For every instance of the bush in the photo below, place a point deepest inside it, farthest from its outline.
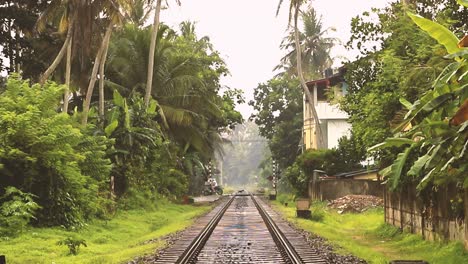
(142, 158)
(16, 209)
(48, 154)
(331, 161)
(73, 244)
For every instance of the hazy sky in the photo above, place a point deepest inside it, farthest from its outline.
(248, 34)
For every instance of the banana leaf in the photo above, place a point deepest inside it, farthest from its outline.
(440, 33)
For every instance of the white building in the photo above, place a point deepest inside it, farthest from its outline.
(333, 121)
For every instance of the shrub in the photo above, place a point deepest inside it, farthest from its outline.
(48, 154)
(16, 209)
(73, 244)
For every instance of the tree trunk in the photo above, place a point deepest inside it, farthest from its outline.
(67, 76)
(10, 45)
(310, 99)
(60, 55)
(154, 33)
(101, 81)
(93, 76)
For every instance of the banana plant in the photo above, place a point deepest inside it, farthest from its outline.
(136, 134)
(434, 147)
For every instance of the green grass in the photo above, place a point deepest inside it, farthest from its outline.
(367, 236)
(114, 241)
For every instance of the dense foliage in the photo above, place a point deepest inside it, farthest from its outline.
(397, 60)
(125, 152)
(279, 108)
(436, 135)
(44, 153)
(344, 158)
(279, 116)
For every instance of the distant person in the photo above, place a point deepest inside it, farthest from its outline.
(213, 185)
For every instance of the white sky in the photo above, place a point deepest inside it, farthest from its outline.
(248, 34)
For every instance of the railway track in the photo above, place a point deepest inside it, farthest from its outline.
(242, 229)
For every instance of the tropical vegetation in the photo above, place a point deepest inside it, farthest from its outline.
(100, 113)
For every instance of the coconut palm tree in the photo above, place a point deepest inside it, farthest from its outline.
(185, 91)
(86, 33)
(154, 33)
(138, 11)
(294, 11)
(314, 45)
(112, 11)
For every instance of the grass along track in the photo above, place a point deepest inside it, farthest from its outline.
(366, 236)
(114, 241)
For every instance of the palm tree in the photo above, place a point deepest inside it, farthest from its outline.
(154, 33)
(315, 47)
(114, 17)
(67, 23)
(294, 11)
(138, 11)
(188, 100)
(98, 61)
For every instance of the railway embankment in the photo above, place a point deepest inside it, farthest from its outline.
(130, 233)
(366, 236)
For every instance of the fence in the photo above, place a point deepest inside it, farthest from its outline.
(331, 189)
(437, 214)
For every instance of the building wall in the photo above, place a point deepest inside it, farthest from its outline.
(336, 129)
(309, 128)
(332, 122)
(335, 188)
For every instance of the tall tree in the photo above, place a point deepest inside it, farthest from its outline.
(294, 11)
(314, 44)
(97, 63)
(278, 105)
(154, 33)
(114, 18)
(25, 51)
(186, 87)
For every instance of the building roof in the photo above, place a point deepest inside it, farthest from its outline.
(330, 80)
(354, 173)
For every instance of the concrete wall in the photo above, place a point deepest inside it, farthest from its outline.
(433, 214)
(336, 188)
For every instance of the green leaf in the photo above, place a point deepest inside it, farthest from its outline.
(462, 153)
(386, 171)
(463, 127)
(152, 106)
(415, 170)
(450, 161)
(391, 142)
(397, 167)
(127, 115)
(406, 103)
(424, 181)
(436, 102)
(463, 52)
(463, 2)
(440, 33)
(111, 127)
(118, 99)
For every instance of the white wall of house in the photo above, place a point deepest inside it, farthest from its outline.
(333, 123)
(337, 128)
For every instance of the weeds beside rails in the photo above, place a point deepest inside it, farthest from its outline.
(366, 236)
(130, 233)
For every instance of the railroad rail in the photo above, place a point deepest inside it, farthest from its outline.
(196, 246)
(241, 230)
